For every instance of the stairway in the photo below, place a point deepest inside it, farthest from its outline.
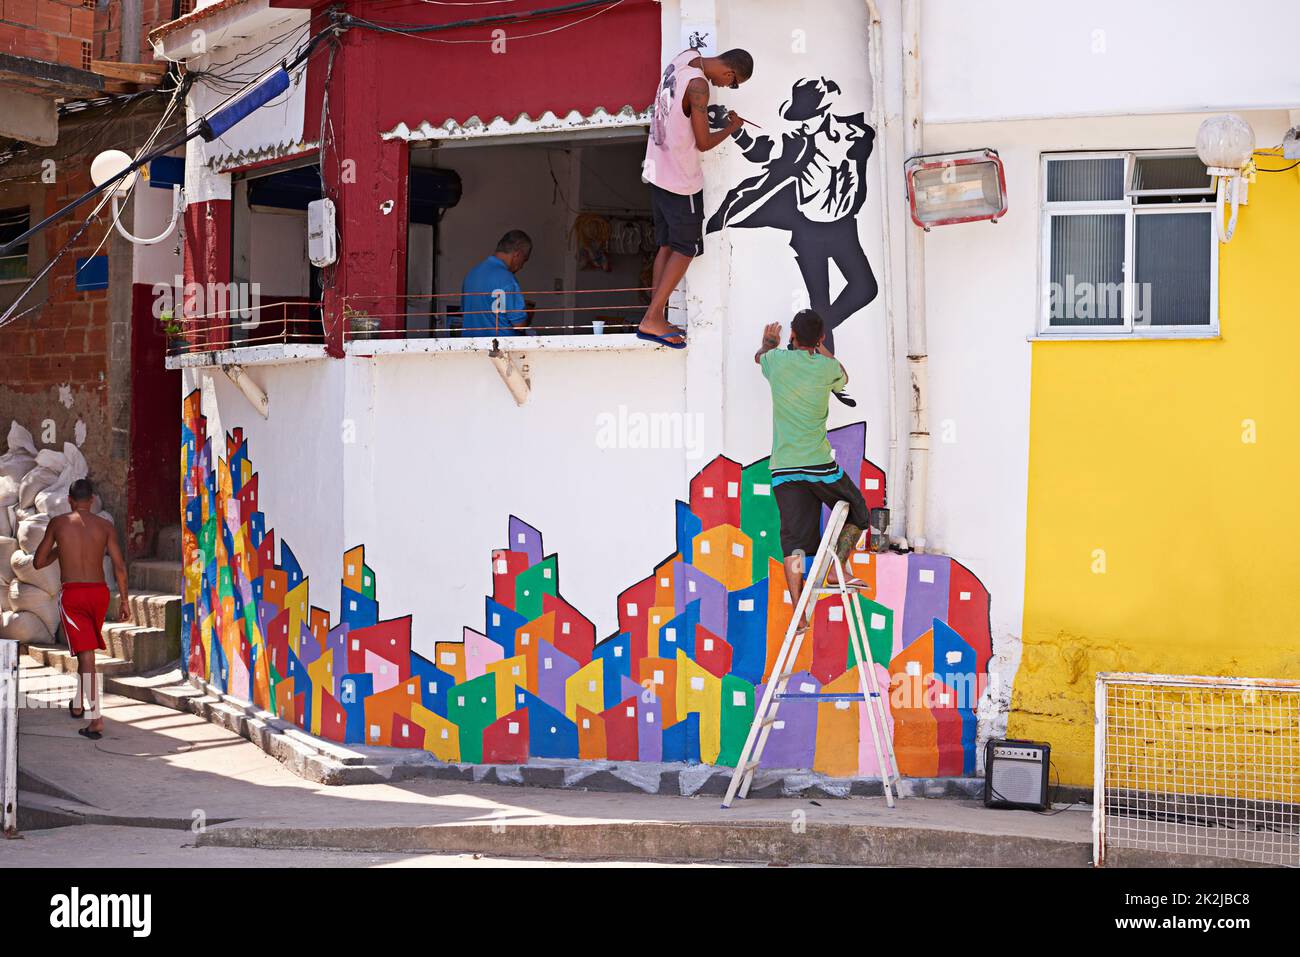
(150, 637)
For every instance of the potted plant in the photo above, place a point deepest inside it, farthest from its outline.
(174, 330)
(359, 322)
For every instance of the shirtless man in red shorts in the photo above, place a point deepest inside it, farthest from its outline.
(78, 542)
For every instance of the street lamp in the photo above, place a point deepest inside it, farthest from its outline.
(111, 163)
(1225, 144)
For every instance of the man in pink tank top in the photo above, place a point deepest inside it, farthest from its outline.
(679, 133)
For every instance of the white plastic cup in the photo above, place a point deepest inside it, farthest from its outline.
(598, 327)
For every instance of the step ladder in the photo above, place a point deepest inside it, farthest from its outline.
(765, 716)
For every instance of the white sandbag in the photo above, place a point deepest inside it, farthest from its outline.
(21, 457)
(25, 570)
(8, 490)
(31, 531)
(35, 482)
(52, 459)
(54, 499)
(6, 523)
(24, 597)
(8, 548)
(24, 626)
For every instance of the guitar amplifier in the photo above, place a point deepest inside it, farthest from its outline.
(1015, 774)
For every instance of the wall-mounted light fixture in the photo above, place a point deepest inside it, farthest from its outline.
(1225, 144)
(110, 163)
(947, 188)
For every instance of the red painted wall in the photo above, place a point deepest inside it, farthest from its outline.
(153, 476)
(207, 259)
(610, 61)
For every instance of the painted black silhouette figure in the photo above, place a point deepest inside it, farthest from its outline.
(813, 189)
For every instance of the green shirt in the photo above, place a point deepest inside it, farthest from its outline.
(801, 383)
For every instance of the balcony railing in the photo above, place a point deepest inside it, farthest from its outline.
(564, 312)
(552, 312)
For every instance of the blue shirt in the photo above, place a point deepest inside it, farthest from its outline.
(490, 300)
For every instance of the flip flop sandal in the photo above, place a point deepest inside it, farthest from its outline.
(663, 340)
(87, 733)
(76, 715)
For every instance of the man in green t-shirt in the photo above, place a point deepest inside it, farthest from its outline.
(805, 475)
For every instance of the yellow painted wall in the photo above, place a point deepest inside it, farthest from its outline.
(1136, 450)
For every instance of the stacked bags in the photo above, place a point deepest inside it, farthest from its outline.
(33, 489)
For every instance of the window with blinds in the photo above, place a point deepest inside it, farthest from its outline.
(1128, 245)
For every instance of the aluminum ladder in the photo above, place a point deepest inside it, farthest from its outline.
(765, 716)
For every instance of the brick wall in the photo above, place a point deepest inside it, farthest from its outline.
(69, 362)
(57, 31)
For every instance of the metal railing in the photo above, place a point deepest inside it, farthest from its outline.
(552, 312)
(280, 323)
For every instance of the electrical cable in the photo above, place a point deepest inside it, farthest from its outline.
(417, 31)
(10, 315)
(201, 126)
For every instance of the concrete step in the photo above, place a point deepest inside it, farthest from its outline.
(43, 687)
(151, 609)
(156, 575)
(144, 648)
(169, 543)
(58, 658)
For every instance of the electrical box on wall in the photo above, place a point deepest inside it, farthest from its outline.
(322, 244)
(947, 188)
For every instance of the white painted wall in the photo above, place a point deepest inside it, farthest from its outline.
(152, 210)
(278, 252)
(1003, 59)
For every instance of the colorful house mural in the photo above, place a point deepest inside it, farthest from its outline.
(677, 681)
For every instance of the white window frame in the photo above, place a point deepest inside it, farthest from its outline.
(1127, 207)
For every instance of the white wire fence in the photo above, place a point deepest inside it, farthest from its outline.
(1197, 765)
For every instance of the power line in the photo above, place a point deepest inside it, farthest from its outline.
(418, 31)
(226, 114)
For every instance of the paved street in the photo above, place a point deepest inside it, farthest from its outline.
(108, 846)
(196, 783)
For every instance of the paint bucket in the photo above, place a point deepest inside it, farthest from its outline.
(598, 327)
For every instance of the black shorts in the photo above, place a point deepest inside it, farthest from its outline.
(800, 504)
(679, 220)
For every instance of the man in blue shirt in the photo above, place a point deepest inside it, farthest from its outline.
(491, 302)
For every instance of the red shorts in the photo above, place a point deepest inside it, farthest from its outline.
(84, 605)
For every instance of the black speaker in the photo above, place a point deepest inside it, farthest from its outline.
(1015, 774)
